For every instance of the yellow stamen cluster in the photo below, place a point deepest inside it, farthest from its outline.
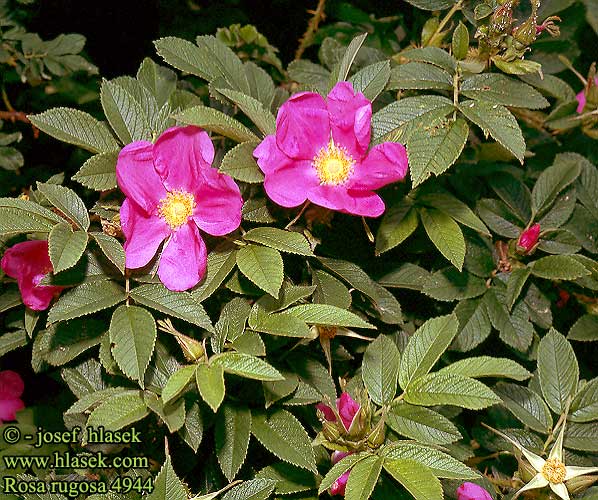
(554, 471)
(333, 164)
(176, 208)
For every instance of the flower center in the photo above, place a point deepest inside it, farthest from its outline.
(176, 208)
(554, 470)
(333, 164)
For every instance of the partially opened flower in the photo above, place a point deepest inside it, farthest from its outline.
(28, 262)
(472, 491)
(172, 191)
(340, 484)
(581, 97)
(11, 389)
(346, 408)
(320, 153)
(529, 238)
(550, 472)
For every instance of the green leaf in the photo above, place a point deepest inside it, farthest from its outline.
(254, 109)
(76, 127)
(460, 41)
(231, 323)
(112, 249)
(422, 424)
(372, 79)
(173, 415)
(329, 290)
(289, 479)
(414, 476)
(380, 369)
(65, 246)
(99, 172)
(125, 114)
(526, 405)
(450, 389)
(363, 478)
(178, 304)
(118, 411)
(497, 121)
(585, 329)
(407, 275)
(216, 121)
(232, 438)
(500, 89)
(449, 284)
(584, 407)
(432, 150)
(341, 72)
(280, 324)
(160, 81)
(498, 217)
(309, 73)
(564, 170)
(557, 370)
(23, 216)
(440, 464)
(399, 222)
(167, 485)
(12, 340)
(313, 373)
(285, 241)
(86, 298)
(397, 121)
(425, 347)
(454, 208)
(255, 489)
(327, 315)
(284, 436)
(192, 431)
(183, 55)
(210, 382)
(558, 267)
(446, 235)
(582, 437)
(487, 366)
(133, 335)
(240, 164)
(515, 329)
(431, 55)
(263, 266)
(67, 201)
(339, 468)
(432, 5)
(515, 194)
(221, 62)
(220, 264)
(246, 366)
(177, 383)
(517, 279)
(419, 75)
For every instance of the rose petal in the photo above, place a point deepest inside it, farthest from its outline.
(356, 202)
(289, 186)
(184, 259)
(581, 100)
(347, 409)
(218, 203)
(9, 409)
(327, 411)
(385, 163)
(350, 119)
(11, 385)
(143, 234)
(339, 486)
(180, 154)
(472, 491)
(337, 456)
(137, 177)
(302, 125)
(269, 156)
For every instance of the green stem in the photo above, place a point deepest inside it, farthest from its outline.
(445, 20)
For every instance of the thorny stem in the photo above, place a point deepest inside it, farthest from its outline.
(456, 91)
(317, 16)
(296, 218)
(445, 20)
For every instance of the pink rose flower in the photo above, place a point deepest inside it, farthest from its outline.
(11, 389)
(581, 97)
(320, 153)
(347, 409)
(529, 238)
(338, 487)
(172, 191)
(471, 491)
(28, 262)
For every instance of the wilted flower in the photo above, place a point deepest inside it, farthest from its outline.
(549, 26)
(11, 389)
(581, 97)
(172, 191)
(338, 487)
(28, 262)
(346, 407)
(472, 491)
(529, 238)
(320, 153)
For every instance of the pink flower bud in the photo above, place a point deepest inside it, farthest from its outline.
(581, 98)
(529, 238)
(471, 491)
(338, 487)
(11, 389)
(347, 409)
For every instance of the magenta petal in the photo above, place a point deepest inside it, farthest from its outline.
(302, 126)
(337, 456)
(327, 411)
(289, 186)
(581, 100)
(269, 156)
(349, 201)
(137, 177)
(339, 486)
(350, 119)
(471, 491)
(184, 259)
(143, 234)
(219, 203)
(9, 409)
(347, 409)
(11, 385)
(385, 163)
(180, 154)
